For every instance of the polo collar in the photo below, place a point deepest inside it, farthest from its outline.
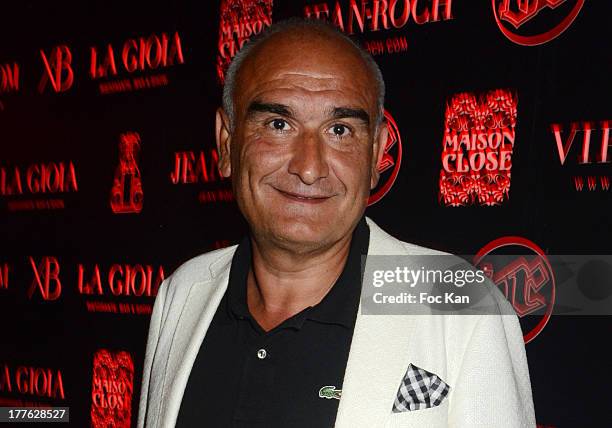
(340, 304)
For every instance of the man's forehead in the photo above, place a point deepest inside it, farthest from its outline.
(304, 93)
(331, 108)
(308, 74)
(319, 65)
(305, 83)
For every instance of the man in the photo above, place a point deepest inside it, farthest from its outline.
(269, 333)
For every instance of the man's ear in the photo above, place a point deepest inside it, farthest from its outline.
(223, 136)
(378, 150)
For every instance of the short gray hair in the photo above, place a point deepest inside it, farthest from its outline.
(291, 25)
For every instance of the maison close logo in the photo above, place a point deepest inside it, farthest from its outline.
(239, 20)
(32, 382)
(534, 22)
(477, 148)
(112, 389)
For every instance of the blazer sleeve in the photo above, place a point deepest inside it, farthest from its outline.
(493, 388)
(152, 341)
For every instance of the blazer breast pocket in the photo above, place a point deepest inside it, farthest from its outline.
(431, 417)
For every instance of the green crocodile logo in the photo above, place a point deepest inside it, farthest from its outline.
(330, 392)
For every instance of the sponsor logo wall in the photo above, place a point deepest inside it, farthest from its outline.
(499, 144)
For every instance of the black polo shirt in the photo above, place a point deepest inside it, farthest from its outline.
(244, 376)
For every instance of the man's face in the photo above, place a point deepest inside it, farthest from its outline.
(304, 150)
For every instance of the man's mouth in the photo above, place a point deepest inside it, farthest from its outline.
(304, 198)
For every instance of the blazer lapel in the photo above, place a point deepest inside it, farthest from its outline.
(379, 355)
(378, 358)
(196, 315)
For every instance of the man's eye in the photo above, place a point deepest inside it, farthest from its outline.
(339, 130)
(279, 125)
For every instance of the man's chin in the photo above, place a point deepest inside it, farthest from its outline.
(298, 235)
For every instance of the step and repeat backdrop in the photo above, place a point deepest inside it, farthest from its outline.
(499, 115)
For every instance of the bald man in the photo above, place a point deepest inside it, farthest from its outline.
(269, 333)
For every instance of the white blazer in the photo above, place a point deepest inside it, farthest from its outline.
(481, 357)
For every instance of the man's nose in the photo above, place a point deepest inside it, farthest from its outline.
(308, 159)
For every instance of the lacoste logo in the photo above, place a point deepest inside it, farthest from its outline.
(330, 392)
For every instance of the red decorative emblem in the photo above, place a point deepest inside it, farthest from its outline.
(390, 163)
(527, 280)
(126, 194)
(510, 15)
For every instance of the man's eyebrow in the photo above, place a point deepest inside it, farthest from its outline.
(260, 107)
(347, 112)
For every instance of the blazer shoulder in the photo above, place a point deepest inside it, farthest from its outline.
(383, 243)
(201, 268)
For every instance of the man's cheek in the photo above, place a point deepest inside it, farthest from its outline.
(353, 175)
(262, 157)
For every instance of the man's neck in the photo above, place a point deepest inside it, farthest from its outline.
(282, 283)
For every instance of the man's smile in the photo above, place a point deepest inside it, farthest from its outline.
(303, 197)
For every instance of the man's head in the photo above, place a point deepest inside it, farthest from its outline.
(301, 133)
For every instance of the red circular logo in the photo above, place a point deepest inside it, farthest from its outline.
(389, 164)
(527, 280)
(556, 15)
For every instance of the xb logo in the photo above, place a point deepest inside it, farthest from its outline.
(58, 69)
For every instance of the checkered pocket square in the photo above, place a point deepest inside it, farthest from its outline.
(419, 389)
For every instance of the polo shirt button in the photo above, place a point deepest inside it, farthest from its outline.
(261, 354)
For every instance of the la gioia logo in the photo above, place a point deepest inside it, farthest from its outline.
(527, 279)
(389, 164)
(534, 22)
(477, 148)
(126, 193)
(112, 388)
(239, 20)
(39, 186)
(34, 382)
(111, 66)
